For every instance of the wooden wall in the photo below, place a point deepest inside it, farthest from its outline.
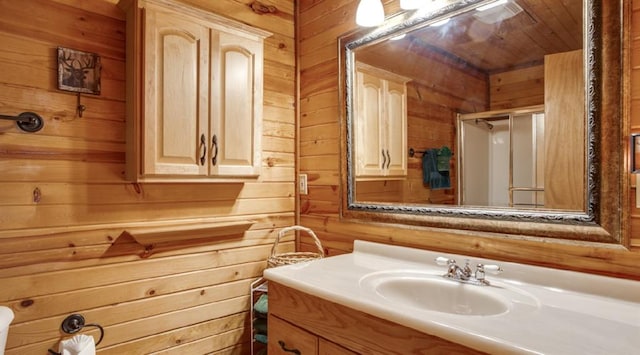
(320, 23)
(64, 203)
(517, 88)
(634, 108)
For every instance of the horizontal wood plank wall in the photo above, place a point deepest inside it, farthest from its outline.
(320, 23)
(517, 88)
(64, 203)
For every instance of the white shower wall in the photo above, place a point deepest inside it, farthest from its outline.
(499, 163)
(485, 160)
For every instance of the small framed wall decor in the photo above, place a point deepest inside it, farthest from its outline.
(635, 153)
(78, 71)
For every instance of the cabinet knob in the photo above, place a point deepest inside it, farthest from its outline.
(214, 146)
(285, 349)
(203, 148)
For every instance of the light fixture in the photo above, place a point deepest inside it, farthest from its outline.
(370, 13)
(491, 5)
(411, 4)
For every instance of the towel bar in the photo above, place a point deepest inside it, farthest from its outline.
(26, 121)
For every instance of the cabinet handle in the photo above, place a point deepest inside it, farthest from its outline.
(384, 159)
(203, 148)
(284, 348)
(214, 142)
(388, 159)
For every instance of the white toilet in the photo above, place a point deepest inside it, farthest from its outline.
(6, 316)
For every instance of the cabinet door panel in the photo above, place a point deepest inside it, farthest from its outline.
(237, 112)
(368, 126)
(177, 115)
(396, 126)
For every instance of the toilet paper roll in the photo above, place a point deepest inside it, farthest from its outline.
(78, 345)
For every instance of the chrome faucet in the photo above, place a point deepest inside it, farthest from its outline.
(465, 274)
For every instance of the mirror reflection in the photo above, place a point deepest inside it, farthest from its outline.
(483, 108)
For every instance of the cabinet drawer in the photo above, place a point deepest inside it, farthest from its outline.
(285, 338)
(326, 347)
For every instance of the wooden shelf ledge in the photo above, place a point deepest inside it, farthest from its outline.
(153, 234)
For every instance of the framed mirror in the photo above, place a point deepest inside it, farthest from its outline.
(487, 116)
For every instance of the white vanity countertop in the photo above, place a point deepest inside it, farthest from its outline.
(577, 313)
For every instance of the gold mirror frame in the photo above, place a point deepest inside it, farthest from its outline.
(602, 219)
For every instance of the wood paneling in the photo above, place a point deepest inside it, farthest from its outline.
(65, 205)
(517, 88)
(318, 44)
(634, 114)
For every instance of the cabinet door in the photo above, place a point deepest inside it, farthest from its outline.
(370, 154)
(285, 338)
(236, 105)
(396, 128)
(176, 92)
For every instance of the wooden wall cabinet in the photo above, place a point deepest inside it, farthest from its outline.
(313, 325)
(194, 94)
(380, 123)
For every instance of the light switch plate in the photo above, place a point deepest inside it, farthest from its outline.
(302, 184)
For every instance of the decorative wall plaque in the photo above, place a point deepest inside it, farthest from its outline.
(78, 71)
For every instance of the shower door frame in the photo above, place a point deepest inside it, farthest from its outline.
(487, 116)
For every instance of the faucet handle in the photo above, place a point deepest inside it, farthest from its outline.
(492, 269)
(442, 261)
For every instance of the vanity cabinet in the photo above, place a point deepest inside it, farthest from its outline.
(380, 123)
(313, 325)
(194, 94)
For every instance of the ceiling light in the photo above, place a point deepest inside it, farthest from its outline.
(411, 4)
(491, 5)
(370, 13)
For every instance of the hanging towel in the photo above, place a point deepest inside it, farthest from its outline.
(432, 161)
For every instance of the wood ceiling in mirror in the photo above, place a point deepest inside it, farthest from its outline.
(479, 43)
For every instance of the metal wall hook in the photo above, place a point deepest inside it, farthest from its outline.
(73, 324)
(26, 121)
(80, 107)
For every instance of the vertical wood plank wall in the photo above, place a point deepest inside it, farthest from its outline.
(64, 201)
(635, 111)
(320, 23)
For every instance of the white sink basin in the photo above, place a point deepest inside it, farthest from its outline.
(426, 291)
(435, 294)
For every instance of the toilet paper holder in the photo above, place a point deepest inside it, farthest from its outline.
(73, 324)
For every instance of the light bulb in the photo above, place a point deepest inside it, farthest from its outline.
(370, 13)
(411, 4)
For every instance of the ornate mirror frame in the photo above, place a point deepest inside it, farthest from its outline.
(605, 180)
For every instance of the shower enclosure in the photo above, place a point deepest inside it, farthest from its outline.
(501, 160)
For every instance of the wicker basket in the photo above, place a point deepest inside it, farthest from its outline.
(293, 257)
